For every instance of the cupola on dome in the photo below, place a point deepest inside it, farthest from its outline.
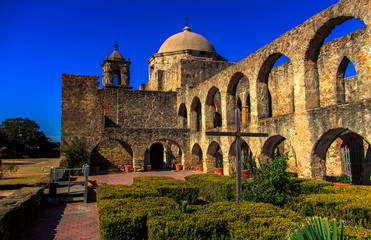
(186, 40)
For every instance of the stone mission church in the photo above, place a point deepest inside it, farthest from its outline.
(310, 111)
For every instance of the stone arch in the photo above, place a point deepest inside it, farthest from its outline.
(312, 97)
(156, 155)
(213, 109)
(341, 96)
(196, 115)
(112, 153)
(329, 156)
(182, 116)
(172, 153)
(232, 154)
(238, 87)
(196, 155)
(279, 145)
(214, 154)
(270, 103)
(104, 104)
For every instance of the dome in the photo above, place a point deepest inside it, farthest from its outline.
(116, 55)
(186, 40)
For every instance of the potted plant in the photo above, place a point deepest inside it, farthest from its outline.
(127, 168)
(149, 168)
(178, 167)
(200, 166)
(246, 165)
(219, 167)
(343, 180)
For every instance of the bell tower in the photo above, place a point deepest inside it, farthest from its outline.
(116, 72)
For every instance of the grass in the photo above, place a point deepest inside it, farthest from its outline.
(29, 172)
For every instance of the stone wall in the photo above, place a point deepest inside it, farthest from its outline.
(304, 91)
(139, 109)
(18, 211)
(304, 105)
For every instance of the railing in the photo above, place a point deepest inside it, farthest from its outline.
(62, 177)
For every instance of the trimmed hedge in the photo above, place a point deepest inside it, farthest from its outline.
(353, 208)
(226, 220)
(156, 181)
(213, 187)
(308, 186)
(151, 187)
(124, 191)
(127, 218)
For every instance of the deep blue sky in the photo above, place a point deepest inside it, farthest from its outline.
(40, 40)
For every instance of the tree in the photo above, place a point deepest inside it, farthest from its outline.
(271, 182)
(22, 136)
(74, 153)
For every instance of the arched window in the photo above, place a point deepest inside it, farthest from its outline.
(268, 107)
(311, 57)
(182, 115)
(213, 108)
(196, 115)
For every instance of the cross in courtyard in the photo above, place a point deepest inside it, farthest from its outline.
(238, 134)
(186, 18)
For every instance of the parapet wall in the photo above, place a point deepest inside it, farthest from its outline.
(18, 211)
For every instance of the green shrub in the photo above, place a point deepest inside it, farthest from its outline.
(343, 178)
(308, 186)
(127, 218)
(271, 183)
(188, 226)
(169, 187)
(249, 220)
(123, 226)
(155, 181)
(124, 191)
(179, 193)
(213, 187)
(357, 232)
(352, 207)
(355, 189)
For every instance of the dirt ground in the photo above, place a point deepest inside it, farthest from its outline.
(29, 173)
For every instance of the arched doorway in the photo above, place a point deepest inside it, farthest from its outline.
(214, 156)
(245, 149)
(353, 157)
(341, 151)
(157, 156)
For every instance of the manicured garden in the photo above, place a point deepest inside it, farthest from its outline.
(204, 207)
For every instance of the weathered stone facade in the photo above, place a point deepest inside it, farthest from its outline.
(308, 109)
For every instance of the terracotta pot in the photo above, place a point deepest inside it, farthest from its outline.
(178, 167)
(246, 173)
(200, 168)
(149, 168)
(96, 170)
(342, 184)
(219, 171)
(127, 169)
(92, 184)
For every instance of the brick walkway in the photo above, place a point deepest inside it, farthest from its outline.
(80, 220)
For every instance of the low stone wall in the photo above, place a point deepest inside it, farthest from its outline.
(18, 210)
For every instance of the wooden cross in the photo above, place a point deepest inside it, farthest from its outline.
(238, 135)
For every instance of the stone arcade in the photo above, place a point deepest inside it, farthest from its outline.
(308, 109)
